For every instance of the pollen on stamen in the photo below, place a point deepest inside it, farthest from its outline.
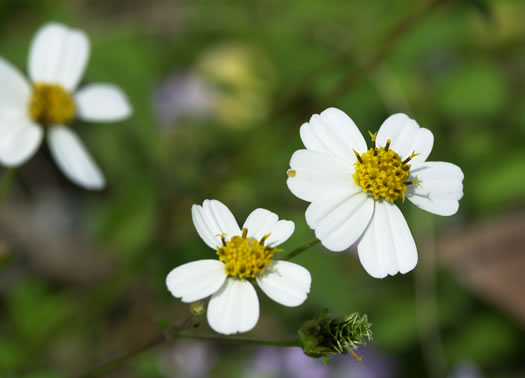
(358, 156)
(373, 137)
(355, 355)
(412, 155)
(245, 257)
(291, 173)
(381, 172)
(51, 104)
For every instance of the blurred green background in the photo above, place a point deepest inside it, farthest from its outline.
(219, 91)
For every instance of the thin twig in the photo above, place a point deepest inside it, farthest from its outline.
(301, 249)
(175, 334)
(283, 111)
(240, 340)
(386, 45)
(121, 361)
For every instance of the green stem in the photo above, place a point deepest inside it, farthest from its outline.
(121, 361)
(174, 333)
(5, 183)
(301, 249)
(240, 340)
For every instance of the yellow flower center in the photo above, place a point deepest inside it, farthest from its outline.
(382, 173)
(244, 257)
(51, 104)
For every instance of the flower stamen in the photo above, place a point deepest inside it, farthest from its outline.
(381, 172)
(51, 104)
(245, 257)
(355, 355)
(412, 155)
(358, 156)
(373, 137)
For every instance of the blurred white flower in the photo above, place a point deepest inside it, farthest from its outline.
(352, 189)
(57, 59)
(244, 255)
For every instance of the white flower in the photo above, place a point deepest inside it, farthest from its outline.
(352, 189)
(244, 256)
(57, 59)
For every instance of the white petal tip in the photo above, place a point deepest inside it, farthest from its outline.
(287, 283)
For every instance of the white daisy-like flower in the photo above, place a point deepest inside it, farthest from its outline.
(50, 102)
(244, 257)
(352, 188)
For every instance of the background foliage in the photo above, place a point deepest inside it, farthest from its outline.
(219, 90)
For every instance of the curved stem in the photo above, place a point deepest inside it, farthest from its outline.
(301, 249)
(120, 361)
(174, 333)
(5, 183)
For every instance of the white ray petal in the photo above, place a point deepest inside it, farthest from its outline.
(387, 246)
(260, 222)
(19, 139)
(280, 232)
(440, 187)
(340, 218)
(102, 102)
(212, 220)
(406, 137)
(73, 158)
(196, 280)
(58, 54)
(234, 308)
(333, 132)
(317, 173)
(286, 283)
(14, 91)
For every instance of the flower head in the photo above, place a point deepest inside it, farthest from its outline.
(51, 102)
(244, 257)
(353, 189)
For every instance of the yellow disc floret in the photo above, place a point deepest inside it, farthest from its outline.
(51, 104)
(244, 257)
(382, 173)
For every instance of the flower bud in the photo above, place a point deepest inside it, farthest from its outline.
(327, 334)
(197, 311)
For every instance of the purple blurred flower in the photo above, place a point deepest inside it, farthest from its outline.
(267, 363)
(373, 365)
(466, 369)
(182, 95)
(298, 365)
(188, 359)
(293, 363)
